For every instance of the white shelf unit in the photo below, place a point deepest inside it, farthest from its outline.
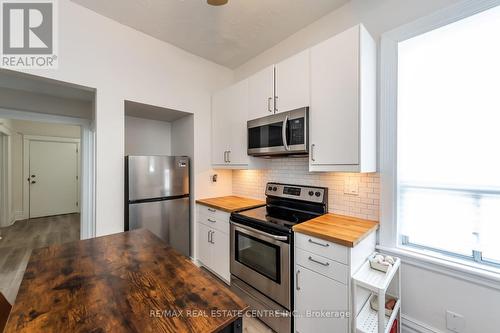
(377, 283)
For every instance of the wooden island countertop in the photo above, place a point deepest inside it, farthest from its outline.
(127, 282)
(231, 203)
(340, 229)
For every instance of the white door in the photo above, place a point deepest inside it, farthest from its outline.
(292, 82)
(203, 245)
(334, 115)
(261, 93)
(220, 254)
(315, 292)
(53, 176)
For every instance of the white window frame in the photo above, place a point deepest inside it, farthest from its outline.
(390, 239)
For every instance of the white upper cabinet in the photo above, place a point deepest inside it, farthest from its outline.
(343, 103)
(229, 116)
(292, 82)
(261, 94)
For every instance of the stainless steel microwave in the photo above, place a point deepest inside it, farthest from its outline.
(284, 133)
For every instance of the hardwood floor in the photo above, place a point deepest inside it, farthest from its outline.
(20, 238)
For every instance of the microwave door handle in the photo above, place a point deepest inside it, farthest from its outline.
(283, 132)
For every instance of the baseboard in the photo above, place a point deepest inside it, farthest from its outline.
(410, 325)
(19, 215)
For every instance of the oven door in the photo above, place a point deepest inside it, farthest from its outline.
(279, 134)
(262, 260)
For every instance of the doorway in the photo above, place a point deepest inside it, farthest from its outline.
(52, 147)
(52, 182)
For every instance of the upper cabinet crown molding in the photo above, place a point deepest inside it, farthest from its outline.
(343, 103)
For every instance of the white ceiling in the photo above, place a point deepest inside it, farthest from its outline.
(229, 35)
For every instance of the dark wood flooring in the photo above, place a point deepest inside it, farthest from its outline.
(23, 236)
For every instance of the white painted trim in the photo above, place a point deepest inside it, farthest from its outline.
(388, 104)
(472, 273)
(19, 215)
(26, 166)
(410, 325)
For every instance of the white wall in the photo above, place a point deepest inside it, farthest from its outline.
(427, 294)
(29, 101)
(124, 64)
(147, 137)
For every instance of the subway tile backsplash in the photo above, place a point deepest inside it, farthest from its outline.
(364, 204)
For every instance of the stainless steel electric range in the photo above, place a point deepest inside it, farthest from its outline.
(262, 249)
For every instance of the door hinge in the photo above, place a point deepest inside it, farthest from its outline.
(77, 150)
(77, 204)
(76, 177)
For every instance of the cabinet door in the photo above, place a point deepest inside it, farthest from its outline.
(220, 254)
(292, 82)
(237, 122)
(315, 292)
(221, 112)
(334, 115)
(203, 245)
(261, 93)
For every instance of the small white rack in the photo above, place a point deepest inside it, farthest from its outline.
(377, 283)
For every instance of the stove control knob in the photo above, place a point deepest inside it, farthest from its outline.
(275, 189)
(311, 193)
(317, 194)
(270, 188)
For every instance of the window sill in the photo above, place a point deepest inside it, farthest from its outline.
(460, 269)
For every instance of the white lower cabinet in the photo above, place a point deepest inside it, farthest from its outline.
(212, 244)
(322, 283)
(317, 312)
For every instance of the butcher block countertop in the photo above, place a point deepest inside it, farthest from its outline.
(340, 229)
(126, 282)
(231, 203)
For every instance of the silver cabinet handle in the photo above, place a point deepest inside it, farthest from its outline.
(228, 156)
(297, 280)
(276, 103)
(211, 210)
(283, 133)
(209, 231)
(317, 243)
(269, 104)
(319, 262)
(210, 220)
(312, 152)
(212, 237)
(225, 156)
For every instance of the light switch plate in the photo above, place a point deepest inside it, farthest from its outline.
(455, 322)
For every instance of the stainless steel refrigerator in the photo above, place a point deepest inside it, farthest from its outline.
(157, 198)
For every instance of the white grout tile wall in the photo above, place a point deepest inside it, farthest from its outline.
(364, 204)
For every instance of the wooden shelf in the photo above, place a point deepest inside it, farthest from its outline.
(367, 320)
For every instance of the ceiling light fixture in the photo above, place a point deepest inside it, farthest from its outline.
(217, 2)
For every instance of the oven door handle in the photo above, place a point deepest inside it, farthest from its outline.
(283, 132)
(275, 237)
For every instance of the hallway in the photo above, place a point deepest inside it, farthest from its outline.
(18, 240)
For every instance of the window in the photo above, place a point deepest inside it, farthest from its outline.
(448, 139)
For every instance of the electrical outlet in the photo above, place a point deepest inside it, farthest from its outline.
(213, 178)
(455, 322)
(351, 187)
